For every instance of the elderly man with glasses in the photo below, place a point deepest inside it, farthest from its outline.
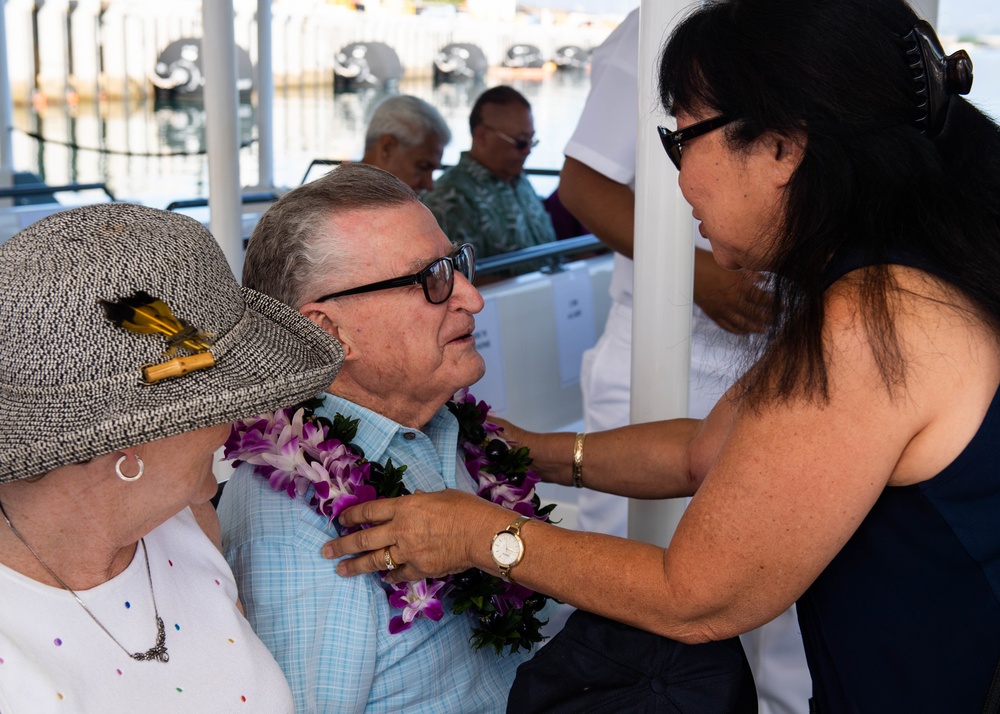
(406, 137)
(485, 199)
(359, 255)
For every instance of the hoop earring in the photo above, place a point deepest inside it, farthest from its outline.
(123, 477)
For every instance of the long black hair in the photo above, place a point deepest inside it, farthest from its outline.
(872, 184)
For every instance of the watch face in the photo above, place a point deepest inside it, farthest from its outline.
(506, 548)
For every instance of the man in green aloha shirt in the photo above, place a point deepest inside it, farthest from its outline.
(485, 200)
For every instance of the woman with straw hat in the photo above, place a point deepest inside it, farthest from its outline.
(128, 348)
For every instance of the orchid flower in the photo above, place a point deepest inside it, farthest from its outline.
(507, 494)
(415, 599)
(292, 451)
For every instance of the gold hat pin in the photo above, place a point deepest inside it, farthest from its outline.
(147, 315)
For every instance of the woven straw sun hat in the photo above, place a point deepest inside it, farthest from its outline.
(73, 385)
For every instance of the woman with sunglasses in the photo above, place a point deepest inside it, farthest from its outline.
(853, 467)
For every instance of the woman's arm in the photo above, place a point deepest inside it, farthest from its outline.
(604, 206)
(641, 461)
(785, 486)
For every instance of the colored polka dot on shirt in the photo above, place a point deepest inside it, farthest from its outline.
(171, 562)
(177, 626)
(57, 642)
(243, 698)
(128, 605)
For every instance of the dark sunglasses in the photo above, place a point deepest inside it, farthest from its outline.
(519, 144)
(437, 279)
(672, 140)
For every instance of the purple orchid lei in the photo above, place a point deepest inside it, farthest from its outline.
(295, 449)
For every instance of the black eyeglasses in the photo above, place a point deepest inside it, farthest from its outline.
(672, 140)
(437, 279)
(519, 144)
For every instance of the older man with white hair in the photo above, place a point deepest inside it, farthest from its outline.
(406, 137)
(359, 255)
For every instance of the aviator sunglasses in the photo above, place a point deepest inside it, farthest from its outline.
(437, 279)
(519, 144)
(672, 140)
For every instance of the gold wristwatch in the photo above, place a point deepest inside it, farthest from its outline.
(508, 548)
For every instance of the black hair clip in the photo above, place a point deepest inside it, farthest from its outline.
(937, 77)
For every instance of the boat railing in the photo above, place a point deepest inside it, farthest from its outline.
(43, 189)
(552, 256)
(548, 257)
(202, 202)
(336, 162)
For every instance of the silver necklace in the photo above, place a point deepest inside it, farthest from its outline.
(157, 651)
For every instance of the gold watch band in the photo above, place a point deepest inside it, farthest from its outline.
(514, 528)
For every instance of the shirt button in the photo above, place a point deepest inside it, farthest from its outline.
(409, 436)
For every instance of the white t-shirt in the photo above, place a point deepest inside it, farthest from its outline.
(601, 140)
(606, 142)
(54, 657)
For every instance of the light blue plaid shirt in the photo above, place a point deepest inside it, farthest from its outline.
(331, 634)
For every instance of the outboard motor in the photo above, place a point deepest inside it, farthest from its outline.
(524, 56)
(571, 57)
(179, 75)
(366, 65)
(459, 61)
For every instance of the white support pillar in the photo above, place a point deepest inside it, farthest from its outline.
(664, 266)
(265, 97)
(6, 109)
(927, 9)
(664, 273)
(221, 129)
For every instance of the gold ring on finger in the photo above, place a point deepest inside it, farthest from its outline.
(389, 563)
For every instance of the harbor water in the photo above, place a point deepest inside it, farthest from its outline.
(154, 152)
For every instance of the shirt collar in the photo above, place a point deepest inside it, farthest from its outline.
(376, 432)
(480, 173)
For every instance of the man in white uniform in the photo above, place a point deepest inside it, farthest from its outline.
(596, 184)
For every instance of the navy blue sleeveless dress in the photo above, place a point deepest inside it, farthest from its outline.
(906, 618)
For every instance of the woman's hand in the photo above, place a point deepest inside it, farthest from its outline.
(551, 454)
(734, 300)
(511, 432)
(428, 535)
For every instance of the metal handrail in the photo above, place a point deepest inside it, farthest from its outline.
(318, 162)
(42, 189)
(337, 162)
(554, 254)
(267, 197)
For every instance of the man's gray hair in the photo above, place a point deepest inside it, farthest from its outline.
(295, 247)
(408, 119)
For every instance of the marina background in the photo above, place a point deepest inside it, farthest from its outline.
(101, 123)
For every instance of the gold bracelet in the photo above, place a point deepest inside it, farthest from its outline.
(578, 460)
